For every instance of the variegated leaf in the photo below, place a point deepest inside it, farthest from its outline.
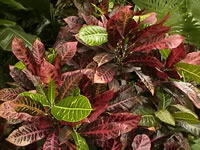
(38, 52)
(141, 142)
(52, 142)
(103, 58)
(8, 94)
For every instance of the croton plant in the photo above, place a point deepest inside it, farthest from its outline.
(117, 81)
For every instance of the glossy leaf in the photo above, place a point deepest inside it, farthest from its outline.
(8, 94)
(26, 135)
(192, 58)
(176, 55)
(93, 35)
(51, 92)
(187, 117)
(113, 144)
(189, 90)
(38, 52)
(165, 116)
(51, 142)
(72, 109)
(80, 142)
(141, 142)
(103, 58)
(20, 65)
(192, 128)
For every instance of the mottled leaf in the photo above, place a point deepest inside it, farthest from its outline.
(38, 52)
(141, 142)
(103, 58)
(113, 144)
(52, 142)
(192, 128)
(8, 94)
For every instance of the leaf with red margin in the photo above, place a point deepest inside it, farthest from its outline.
(189, 90)
(38, 52)
(113, 144)
(176, 55)
(110, 126)
(8, 94)
(141, 142)
(159, 42)
(105, 73)
(103, 58)
(145, 60)
(52, 142)
(20, 78)
(48, 72)
(26, 135)
(23, 54)
(66, 51)
(192, 58)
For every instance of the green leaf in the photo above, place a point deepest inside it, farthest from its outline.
(20, 65)
(79, 141)
(189, 71)
(51, 92)
(7, 23)
(7, 35)
(165, 99)
(192, 128)
(187, 117)
(165, 116)
(93, 35)
(36, 97)
(72, 109)
(185, 109)
(75, 92)
(13, 3)
(164, 53)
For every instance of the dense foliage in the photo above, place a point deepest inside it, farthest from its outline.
(117, 78)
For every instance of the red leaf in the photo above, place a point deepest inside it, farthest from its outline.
(74, 23)
(159, 42)
(52, 142)
(189, 90)
(192, 58)
(141, 142)
(48, 72)
(38, 52)
(23, 54)
(103, 58)
(113, 144)
(8, 94)
(173, 74)
(104, 74)
(176, 55)
(66, 51)
(91, 20)
(150, 19)
(111, 126)
(145, 60)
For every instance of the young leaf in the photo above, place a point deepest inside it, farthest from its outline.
(52, 142)
(8, 94)
(113, 144)
(36, 97)
(72, 109)
(187, 117)
(192, 128)
(141, 142)
(192, 58)
(93, 35)
(103, 58)
(38, 52)
(165, 116)
(81, 144)
(51, 92)
(20, 65)
(26, 135)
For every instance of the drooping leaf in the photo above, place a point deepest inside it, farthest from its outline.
(192, 128)
(187, 117)
(113, 144)
(189, 90)
(165, 116)
(80, 142)
(36, 97)
(176, 55)
(110, 126)
(51, 92)
(141, 142)
(103, 58)
(72, 109)
(26, 135)
(38, 51)
(192, 58)
(160, 43)
(145, 60)
(93, 35)
(104, 74)
(189, 71)
(8, 94)
(51, 142)
(23, 54)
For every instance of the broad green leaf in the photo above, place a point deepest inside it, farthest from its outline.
(72, 109)
(13, 3)
(164, 53)
(192, 128)
(165, 99)
(51, 92)
(187, 117)
(7, 35)
(7, 23)
(20, 65)
(80, 142)
(165, 116)
(93, 35)
(36, 97)
(189, 71)
(185, 109)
